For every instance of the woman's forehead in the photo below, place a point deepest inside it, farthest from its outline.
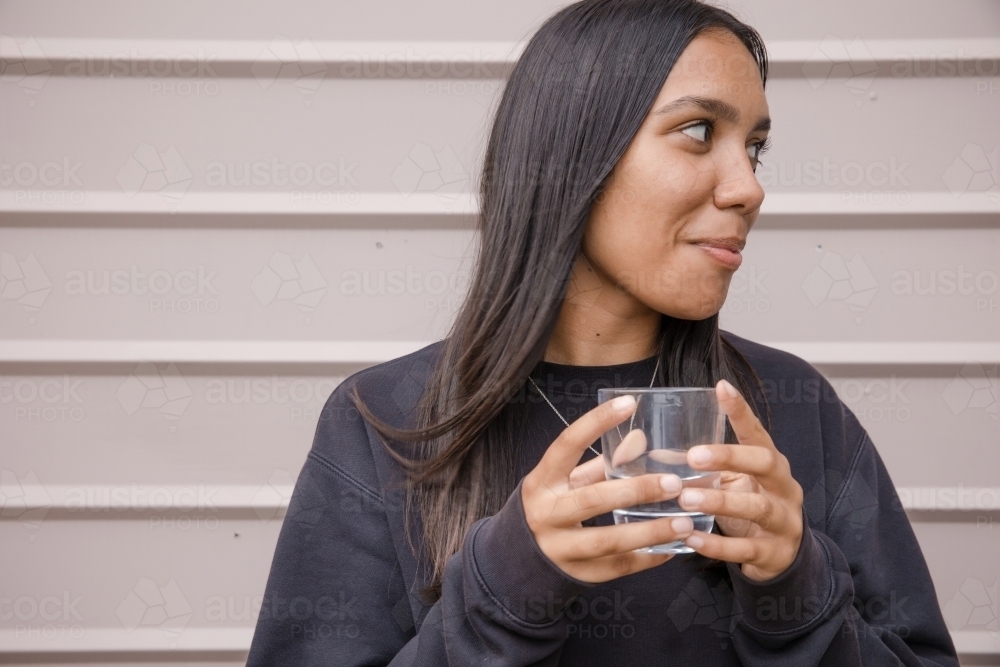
(716, 65)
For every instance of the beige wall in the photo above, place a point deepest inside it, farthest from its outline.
(150, 432)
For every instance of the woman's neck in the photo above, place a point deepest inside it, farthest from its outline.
(600, 324)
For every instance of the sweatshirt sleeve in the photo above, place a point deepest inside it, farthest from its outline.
(858, 592)
(502, 600)
(336, 593)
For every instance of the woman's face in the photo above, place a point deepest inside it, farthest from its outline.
(667, 230)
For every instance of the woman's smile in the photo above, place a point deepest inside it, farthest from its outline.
(725, 251)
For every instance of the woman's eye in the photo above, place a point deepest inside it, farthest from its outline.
(754, 151)
(699, 131)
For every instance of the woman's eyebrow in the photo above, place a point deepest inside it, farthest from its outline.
(717, 108)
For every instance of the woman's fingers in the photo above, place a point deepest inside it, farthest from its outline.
(565, 451)
(755, 454)
(632, 446)
(766, 558)
(559, 494)
(599, 541)
(767, 465)
(759, 508)
(590, 472)
(731, 549)
(746, 426)
(607, 568)
(592, 500)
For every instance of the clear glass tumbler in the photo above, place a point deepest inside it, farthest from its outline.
(668, 421)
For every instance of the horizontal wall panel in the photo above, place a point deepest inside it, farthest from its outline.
(372, 210)
(232, 352)
(932, 427)
(270, 500)
(874, 286)
(403, 285)
(432, 134)
(963, 565)
(161, 425)
(831, 354)
(130, 502)
(304, 284)
(209, 606)
(400, 20)
(189, 139)
(166, 594)
(139, 640)
(144, 423)
(282, 57)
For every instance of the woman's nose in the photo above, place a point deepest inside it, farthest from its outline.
(737, 185)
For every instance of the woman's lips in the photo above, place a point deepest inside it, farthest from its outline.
(730, 258)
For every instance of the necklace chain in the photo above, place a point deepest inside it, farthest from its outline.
(563, 419)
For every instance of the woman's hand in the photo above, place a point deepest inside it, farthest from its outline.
(759, 504)
(559, 495)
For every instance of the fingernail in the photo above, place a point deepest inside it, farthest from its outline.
(730, 389)
(682, 525)
(670, 483)
(700, 455)
(623, 403)
(694, 541)
(692, 497)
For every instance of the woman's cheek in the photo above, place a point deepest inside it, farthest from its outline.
(684, 182)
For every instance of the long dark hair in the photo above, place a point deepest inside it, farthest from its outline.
(570, 108)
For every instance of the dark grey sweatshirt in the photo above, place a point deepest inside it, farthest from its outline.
(344, 586)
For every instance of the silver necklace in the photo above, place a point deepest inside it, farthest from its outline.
(563, 419)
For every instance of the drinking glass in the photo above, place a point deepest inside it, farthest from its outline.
(667, 422)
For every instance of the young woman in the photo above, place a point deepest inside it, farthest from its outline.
(453, 511)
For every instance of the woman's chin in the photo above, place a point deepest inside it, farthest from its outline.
(693, 310)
